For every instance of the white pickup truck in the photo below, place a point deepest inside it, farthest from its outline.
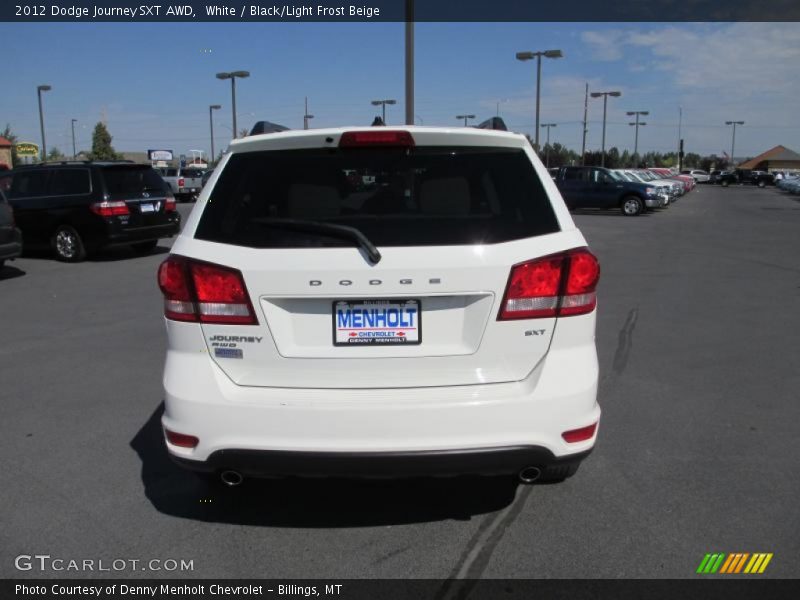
(185, 182)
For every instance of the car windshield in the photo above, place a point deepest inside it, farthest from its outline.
(423, 196)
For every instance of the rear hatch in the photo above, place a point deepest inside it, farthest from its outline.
(143, 191)
(448, 221)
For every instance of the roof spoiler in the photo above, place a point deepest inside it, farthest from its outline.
(266, 127)
(493, 123)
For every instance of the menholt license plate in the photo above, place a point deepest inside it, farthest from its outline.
(377, 322)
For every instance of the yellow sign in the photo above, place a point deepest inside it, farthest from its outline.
(27, 149)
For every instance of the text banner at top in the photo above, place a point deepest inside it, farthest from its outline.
(397, 10)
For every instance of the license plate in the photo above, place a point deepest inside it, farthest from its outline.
(147, 207)
(363, 322)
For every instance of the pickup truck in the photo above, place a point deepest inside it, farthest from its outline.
(745, 176)
(597, 187)
(184, 182)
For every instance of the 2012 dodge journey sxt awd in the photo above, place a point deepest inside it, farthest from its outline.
(380, 303)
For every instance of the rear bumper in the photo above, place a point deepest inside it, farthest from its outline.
(376, 465)
(131, 235)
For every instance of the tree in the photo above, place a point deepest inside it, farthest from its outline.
(11, 137)
(55, 154)
(101, 144)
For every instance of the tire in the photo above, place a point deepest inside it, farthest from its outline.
(761, 184)
(67, 244)
(144, 247)
(725, 183)
(632, 206)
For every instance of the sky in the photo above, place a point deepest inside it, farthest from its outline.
(153, 82)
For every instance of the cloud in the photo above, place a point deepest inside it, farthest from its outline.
(604, 45)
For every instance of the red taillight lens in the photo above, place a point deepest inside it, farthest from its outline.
(378, 137)
(181, 439)
(198, 291)
(559, 285)
(181, 182)
(170, 205)
(579, 435)
(221, 295)
(109, 209)
(173, 279)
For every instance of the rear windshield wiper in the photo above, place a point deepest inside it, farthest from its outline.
(341, 231)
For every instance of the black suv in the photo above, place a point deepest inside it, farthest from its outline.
(76, 207)
(745, 176)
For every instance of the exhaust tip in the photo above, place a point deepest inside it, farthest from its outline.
(529, 474)
(231, 478)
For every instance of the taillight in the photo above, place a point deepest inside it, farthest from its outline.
(376, 137)
(181, 439)
(553, 286)
(170, 205)
(181, 182)
(579, 435)
(199, 291)
(109, 209)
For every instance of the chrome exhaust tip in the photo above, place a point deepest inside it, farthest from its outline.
(529, 474)
(231, 478)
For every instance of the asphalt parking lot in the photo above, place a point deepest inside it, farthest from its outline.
(698, 341)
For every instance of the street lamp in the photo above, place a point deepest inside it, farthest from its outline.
(465, 117)
(383, 103)
(605, 96)
(211, 110)
(637, 124)
(547, 143)
(74, 154)
(306, 116)
(232, 76)
(39, 90)
(733, 140)
(538, 56)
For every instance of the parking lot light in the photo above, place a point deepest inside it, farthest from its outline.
(232, 76)
(605, 95)
(39, 90)
(211, 110)
(465, 117)
(523, 56)
(382, 104)
(637, 124)
(733, 139)
(547, 143)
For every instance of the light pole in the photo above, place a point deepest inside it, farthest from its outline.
(733, 140)
(39, 90)
(382, 104)
(74, 154)
(605, 96)
(637, 124)
(547, 143)
(409, 63)
(211, 110)
(465, 117)
(232, 76)
(306, 116)
(538, 56)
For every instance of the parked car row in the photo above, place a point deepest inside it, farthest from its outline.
(633, 191)
(745, 177)
(78, 207)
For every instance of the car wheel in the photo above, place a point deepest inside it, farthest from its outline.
(67, 244)
(632, 206)
(144, 247)
(724, 184)
(761, 184)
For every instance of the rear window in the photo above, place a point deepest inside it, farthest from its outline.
(425, 196)
(126, 181)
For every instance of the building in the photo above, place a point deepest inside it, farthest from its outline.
(5, 153)
(779, 158)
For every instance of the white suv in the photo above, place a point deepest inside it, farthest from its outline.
(381, 303)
